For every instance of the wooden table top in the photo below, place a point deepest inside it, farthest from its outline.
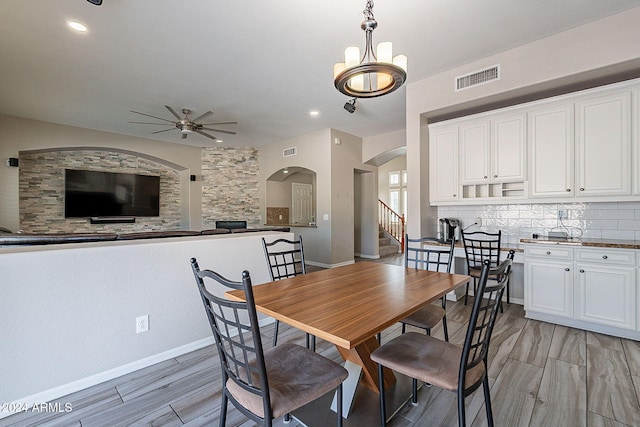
(347, 305)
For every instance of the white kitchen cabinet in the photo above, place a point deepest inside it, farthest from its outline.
(606, 286)
(605, 294)
(475, 151)
(589, 288)
(443, 163)
(551, 159)
(508, 147)
(493, 149)
(603, 145)
(549, 287)
(548, 281)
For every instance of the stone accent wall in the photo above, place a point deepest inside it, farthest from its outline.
(41, 189)
(230, 186)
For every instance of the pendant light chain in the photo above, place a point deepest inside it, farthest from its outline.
(368, 10)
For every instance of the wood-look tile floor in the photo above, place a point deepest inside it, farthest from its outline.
(540, 375)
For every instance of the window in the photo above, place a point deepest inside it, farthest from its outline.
(394, 200)
(398, 191)
(394, 178)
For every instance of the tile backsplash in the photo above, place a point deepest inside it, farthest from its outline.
(614, 220)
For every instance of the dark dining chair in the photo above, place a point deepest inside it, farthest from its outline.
(285, 259)
(478, 247)
(262, 384)
(440, 259)
(445, 365)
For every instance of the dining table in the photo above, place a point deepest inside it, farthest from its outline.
(349, 305)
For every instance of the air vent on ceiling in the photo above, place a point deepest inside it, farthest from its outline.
(287, 152)
(478, 77)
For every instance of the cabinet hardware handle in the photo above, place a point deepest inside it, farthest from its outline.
(567, 269)
(582, 189)
(495, 176)
(454, 195)
(581, 271)
(568, 190)
(548, 252)
(604, 257)
(485, 177)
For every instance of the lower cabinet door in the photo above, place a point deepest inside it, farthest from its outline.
(606, 295)
(549, 287)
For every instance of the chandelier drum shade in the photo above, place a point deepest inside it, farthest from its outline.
(374, 73)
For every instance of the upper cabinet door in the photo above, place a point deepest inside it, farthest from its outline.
(508, 147)
(443, 164)
(475, 152)
(551, 151)
(603, 145)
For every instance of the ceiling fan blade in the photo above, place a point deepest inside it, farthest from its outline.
(184, 136)
(173, 112)
(166, 130)
(221, 131)
(149, 115)
(205, 134)
(219, 123)
(147, 123)
(202, 115)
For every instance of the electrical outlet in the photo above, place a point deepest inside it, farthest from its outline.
(563, 214)
(142, 323)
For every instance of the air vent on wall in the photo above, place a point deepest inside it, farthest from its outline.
(287, 152)
(478, 77)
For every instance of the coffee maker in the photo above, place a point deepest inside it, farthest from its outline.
(447, 228)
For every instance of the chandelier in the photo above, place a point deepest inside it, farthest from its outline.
(370, 75)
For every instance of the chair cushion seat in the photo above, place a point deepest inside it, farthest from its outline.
(426, 318)
(296, 377)
(427, 359)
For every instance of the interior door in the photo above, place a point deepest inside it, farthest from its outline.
(302, 203)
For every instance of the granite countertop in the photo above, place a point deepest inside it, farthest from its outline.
(595, 243)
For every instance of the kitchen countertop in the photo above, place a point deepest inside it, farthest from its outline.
(596, 243)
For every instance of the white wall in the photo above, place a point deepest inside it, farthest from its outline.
(346, 161)
(68, 311)
(22, 134)
(594, 50)
(331, 243)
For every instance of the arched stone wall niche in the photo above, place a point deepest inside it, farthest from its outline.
(287, 203)
(41, 189)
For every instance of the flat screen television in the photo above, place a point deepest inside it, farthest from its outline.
(108, 194)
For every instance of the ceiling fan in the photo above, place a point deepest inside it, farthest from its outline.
(187, 125)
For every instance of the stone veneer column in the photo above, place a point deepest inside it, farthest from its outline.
(230, 185)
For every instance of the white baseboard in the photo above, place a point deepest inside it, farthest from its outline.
(368, 256)
(72, 387)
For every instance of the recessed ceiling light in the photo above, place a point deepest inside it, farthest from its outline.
(314, 113)
(219, 141)
(77, 26)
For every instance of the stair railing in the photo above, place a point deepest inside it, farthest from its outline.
(392, 222)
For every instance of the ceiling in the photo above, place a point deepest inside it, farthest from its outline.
(263, 64)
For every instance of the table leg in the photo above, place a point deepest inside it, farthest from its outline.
(349, 388)
(361, 355)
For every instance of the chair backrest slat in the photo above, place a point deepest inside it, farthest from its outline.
(236, 331)
(483, 316)
(480, 246)
(419, 257)
(285, 258)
